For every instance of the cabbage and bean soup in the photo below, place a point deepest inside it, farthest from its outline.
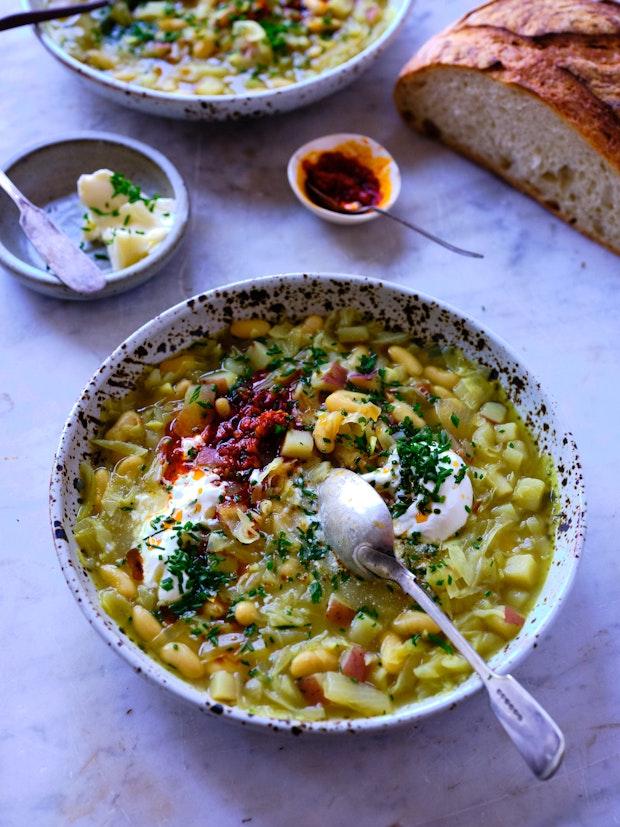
(206, 47)
(199, 518)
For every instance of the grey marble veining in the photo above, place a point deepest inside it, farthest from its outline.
(83, 740)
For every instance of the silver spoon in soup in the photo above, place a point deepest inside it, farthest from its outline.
(358, 526)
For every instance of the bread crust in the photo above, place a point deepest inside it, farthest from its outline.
(564, 52)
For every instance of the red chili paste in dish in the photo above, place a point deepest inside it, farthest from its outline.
(342, 178)
(249, 437)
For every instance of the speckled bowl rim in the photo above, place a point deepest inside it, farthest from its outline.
(213, 100)
(149, 667)
(115, 278)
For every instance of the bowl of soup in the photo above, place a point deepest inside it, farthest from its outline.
(185, 515)
(222, 61)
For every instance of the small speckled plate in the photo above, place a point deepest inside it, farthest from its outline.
(297, 295)
(47, 174)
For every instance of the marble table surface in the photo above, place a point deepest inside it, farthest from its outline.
(83, 740)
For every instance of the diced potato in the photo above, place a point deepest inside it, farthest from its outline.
(484, 436)
(517, 597)
(521, 570)
(494, 411)
(506, 432)
(535, 526)
(297, 444)
(221, 380)
(514, 454)
(258, 356)
(500, 484)
(528, 493)
(364, 629)
(505, 513)
(338, 612)
(223, 686)
(473, 391)
(362, 697)
(453, 415)
(496, 621)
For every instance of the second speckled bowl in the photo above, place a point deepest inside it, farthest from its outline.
(297, 295)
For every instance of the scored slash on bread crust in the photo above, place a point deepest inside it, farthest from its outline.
(530, 90)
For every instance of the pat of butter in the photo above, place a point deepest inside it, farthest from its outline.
(129, 229)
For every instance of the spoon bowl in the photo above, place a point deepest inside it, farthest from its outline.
(353, 513)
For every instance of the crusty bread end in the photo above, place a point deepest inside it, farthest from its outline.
(497, 88)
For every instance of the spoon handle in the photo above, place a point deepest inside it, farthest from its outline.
(534, 733)
(428, 235)
(25, 18)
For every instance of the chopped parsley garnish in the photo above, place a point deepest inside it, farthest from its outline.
(283, 545)
(439, 641)
(311, 548)
(316, 591)
(425, 465)
(123, 186)
(313, 362)
(197, 572)
(368, 363)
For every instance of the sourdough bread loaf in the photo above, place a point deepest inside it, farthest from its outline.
(531, 90)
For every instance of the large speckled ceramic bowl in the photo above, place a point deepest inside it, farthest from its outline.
(228, 107)
(297, 295)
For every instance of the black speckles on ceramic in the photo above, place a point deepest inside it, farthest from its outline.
(302, 294)
(229, 107)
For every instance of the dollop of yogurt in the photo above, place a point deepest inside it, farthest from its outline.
(194, 498)
(439, 520)
(386, 478)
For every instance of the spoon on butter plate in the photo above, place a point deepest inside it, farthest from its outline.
(66, 261)
(358, 526)
(351, 209)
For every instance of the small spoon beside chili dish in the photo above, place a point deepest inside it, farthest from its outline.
(349, 179)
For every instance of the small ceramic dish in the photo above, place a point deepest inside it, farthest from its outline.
(364, 149)
(298, 295)
(235, 106)
(47, 174)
